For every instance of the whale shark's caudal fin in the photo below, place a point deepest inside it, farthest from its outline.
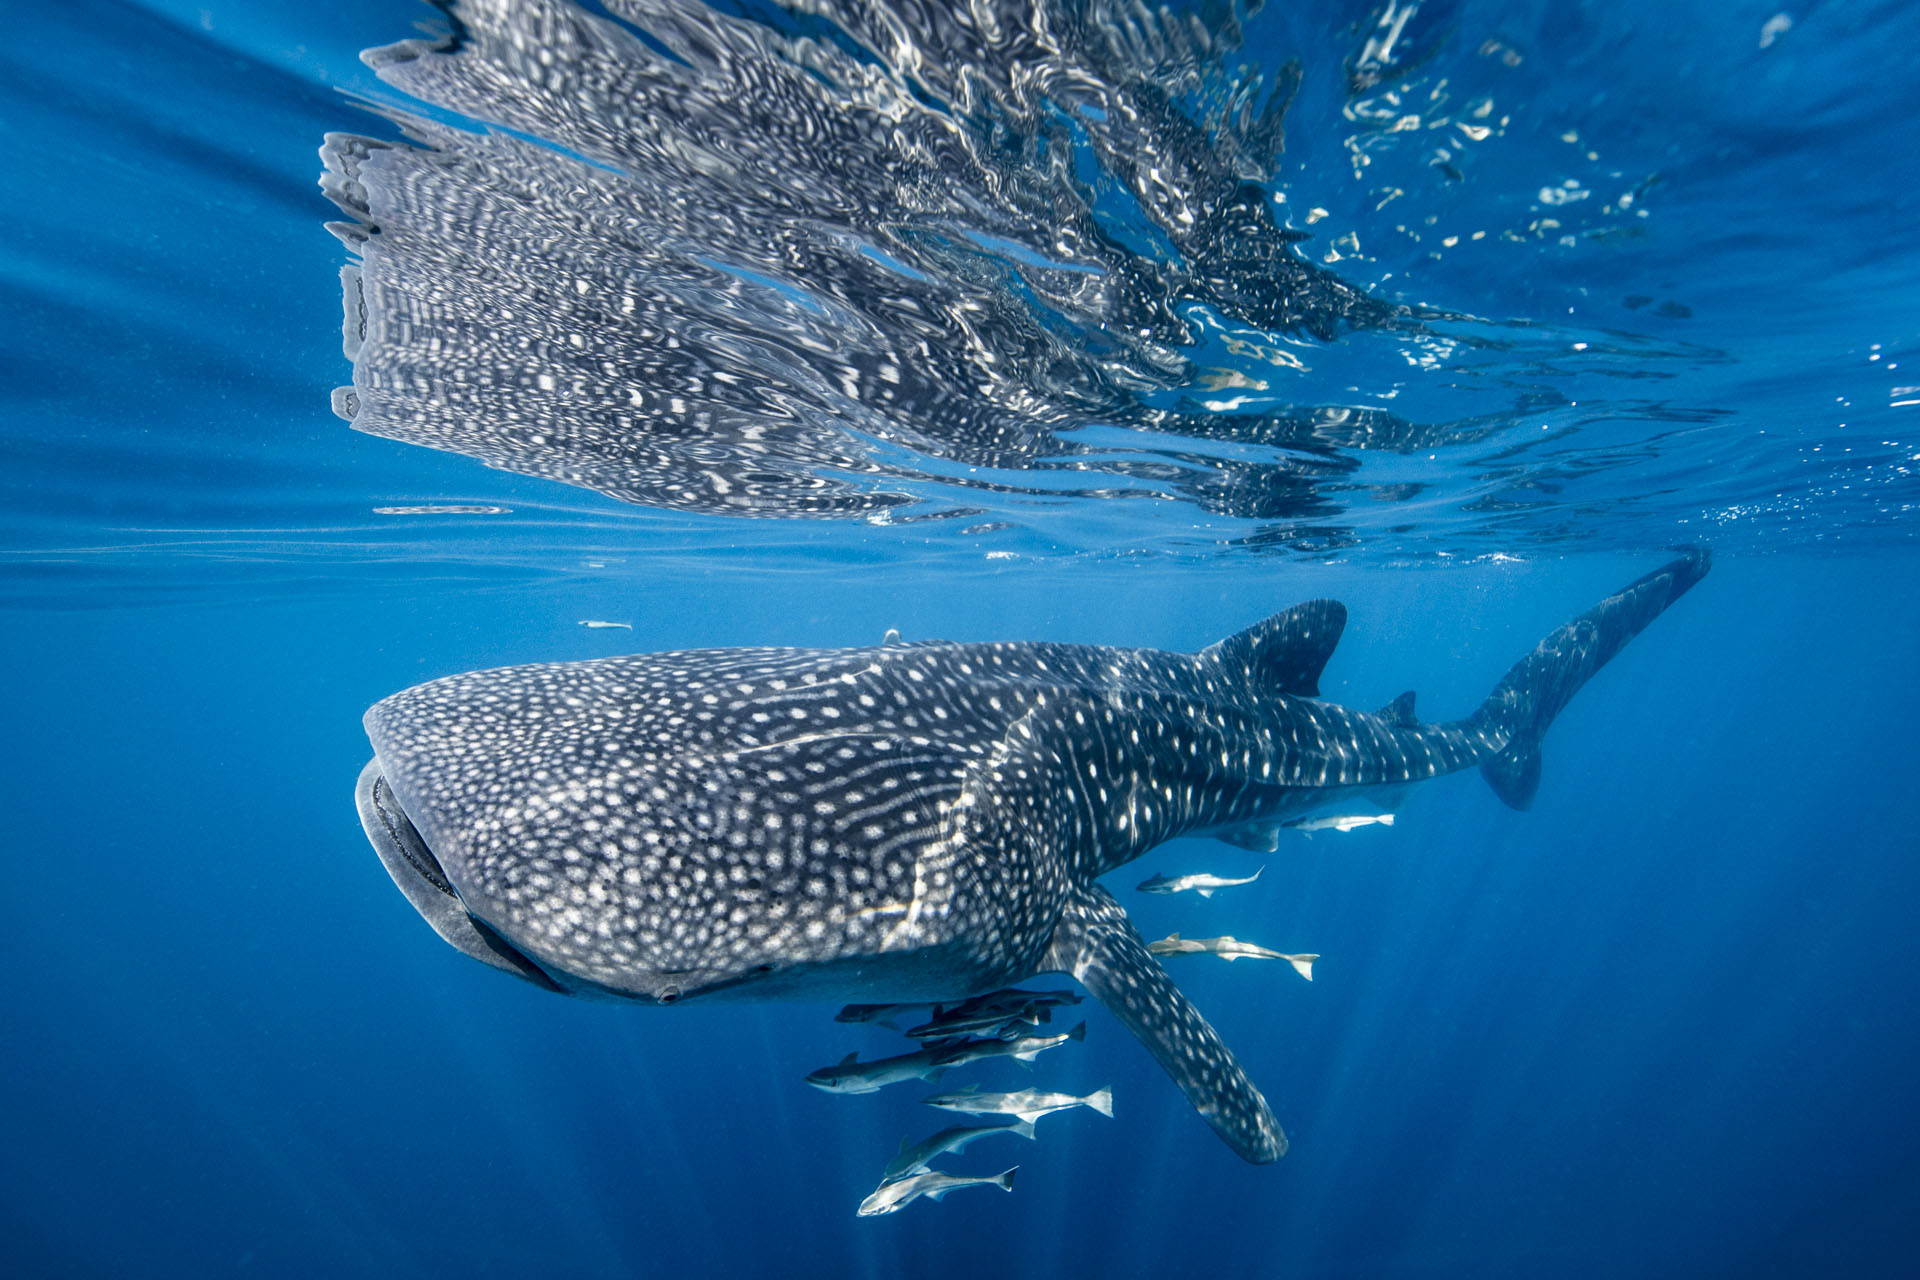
(1097, 944)
(1538, 686)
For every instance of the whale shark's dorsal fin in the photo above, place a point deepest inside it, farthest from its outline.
(1399, 712)
(1287, 652)
(1098, 945)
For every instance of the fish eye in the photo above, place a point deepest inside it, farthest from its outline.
(667, 995)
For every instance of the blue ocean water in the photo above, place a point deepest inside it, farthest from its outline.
(1662, 1023)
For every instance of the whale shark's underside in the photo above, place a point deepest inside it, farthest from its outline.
(907, 822)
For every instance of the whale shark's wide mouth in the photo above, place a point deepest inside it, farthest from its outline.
(419, 875)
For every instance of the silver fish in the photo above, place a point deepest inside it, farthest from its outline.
(890, 1197)
(1028, 1104)
(1022, 1048)
(1338, 822)
(1004, 1014)
(915, 1158)
(850, 1075)
(883, 1014)
(1200, 882)
(995, 1028)
(998, 1023)
(1229, 948)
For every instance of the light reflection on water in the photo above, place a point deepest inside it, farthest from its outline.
(791, 267)
(1402, 292)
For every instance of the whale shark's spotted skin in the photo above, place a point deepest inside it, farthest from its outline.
(709, 262)
(907, 822)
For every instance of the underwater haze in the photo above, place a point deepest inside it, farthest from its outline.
(646, 325)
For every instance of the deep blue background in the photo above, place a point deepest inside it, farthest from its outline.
(1664, 1024)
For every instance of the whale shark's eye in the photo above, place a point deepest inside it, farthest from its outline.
(667, 995)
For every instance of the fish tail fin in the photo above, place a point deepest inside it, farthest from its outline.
(1101, 1100)
(1539, 686)
(1005, 1180)
(1386, 819)
(1303, 965)
(1024, 1128)
(1078, 1033)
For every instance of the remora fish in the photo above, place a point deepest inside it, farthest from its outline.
(992, 1013)
(884, 1014)
(1002, 1013)
(1229, 948)
(1023, 1049)
(1340, 822)
(889, 1197)
(1014, 1000)
(1200, 882)
(1028, 1104)
(996, 1026)
(850, 1075)
(915, 1158)
(910, 822)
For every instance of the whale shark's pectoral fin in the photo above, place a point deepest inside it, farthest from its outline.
(1255, 837)
(1098, 945)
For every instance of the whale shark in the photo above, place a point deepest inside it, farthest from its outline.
(915, 822)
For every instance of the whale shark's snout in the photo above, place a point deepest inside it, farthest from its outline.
(431, 816)
(421, 878)
(420, 875)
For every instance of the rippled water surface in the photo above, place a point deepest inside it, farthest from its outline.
(646, 325)
(1429, 280)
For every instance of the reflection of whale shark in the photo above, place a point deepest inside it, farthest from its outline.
(710, 263)
(915, 822)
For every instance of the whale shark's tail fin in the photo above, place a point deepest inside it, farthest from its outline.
(1538, 686)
